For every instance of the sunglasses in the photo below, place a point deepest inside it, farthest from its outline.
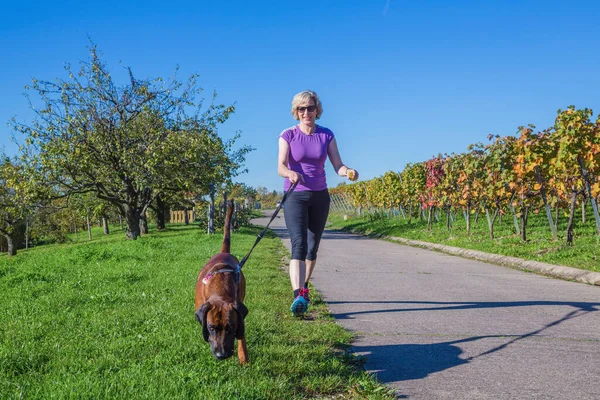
(309, 109)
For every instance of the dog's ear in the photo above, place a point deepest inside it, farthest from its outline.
(201, 317)
(242, 311)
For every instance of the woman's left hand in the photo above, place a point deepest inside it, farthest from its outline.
(352, 174)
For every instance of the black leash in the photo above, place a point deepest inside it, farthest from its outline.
(260, 235)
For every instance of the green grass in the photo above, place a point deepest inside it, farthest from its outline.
(584, 254)
(111, 318)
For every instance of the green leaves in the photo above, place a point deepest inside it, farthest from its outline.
(510, 171)
(129, 143)
(18, 195)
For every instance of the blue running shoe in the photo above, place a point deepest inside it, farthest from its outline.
(299, 306)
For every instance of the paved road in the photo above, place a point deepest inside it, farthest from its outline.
(435, 326)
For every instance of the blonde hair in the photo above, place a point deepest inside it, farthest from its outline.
(304, 97)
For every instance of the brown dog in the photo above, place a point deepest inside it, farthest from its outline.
(220, 293)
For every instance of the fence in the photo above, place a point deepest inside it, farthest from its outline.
(342, 203)
(178, 217)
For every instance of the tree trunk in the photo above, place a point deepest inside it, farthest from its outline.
(430, 218)
(489, 220)
(143, 224)
(11, 249)
(524, 215)
(515, 220)
(549, 218)
(160, 213)
(211, 219)
(586, 181)
(540, 181)
(105, 225)
(89, 227)
(132, 220)
(211, 210)
(571, 222)
(26, 233)
(496, 213)
(468, 218)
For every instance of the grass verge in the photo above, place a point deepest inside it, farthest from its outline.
(584, 254)
(111, 318)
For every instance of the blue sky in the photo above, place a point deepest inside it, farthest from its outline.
(400, 81)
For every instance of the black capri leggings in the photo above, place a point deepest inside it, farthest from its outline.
(305, 216)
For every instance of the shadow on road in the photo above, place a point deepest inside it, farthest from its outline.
(437, 306)
(327, 234)
(412, 361)
(417, 361)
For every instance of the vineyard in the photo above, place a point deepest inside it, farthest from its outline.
(554, 172)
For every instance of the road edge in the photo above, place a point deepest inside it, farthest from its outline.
(555, 271)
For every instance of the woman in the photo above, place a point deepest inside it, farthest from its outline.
(303, 150)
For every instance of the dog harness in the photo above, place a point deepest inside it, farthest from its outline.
(235, 270)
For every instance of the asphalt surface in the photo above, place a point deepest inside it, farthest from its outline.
(437, 326)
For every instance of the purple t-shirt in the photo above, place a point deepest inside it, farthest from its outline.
(308, 154)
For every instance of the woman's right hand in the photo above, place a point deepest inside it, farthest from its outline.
(295, 177)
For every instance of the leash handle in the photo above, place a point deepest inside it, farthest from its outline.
(260, 235)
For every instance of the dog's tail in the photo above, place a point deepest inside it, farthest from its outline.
(226, 248)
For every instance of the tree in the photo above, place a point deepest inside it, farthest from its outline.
(539, 150)
(242, 192)
(128, 144)
(17, 194)
(432, 196)
(91, 208)
(525, 180)
(577, 160)
(497, 175)
(413, 181)
(469, 181)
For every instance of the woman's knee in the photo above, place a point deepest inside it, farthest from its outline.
(312, 249)
(299, 254)
(299, 246)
